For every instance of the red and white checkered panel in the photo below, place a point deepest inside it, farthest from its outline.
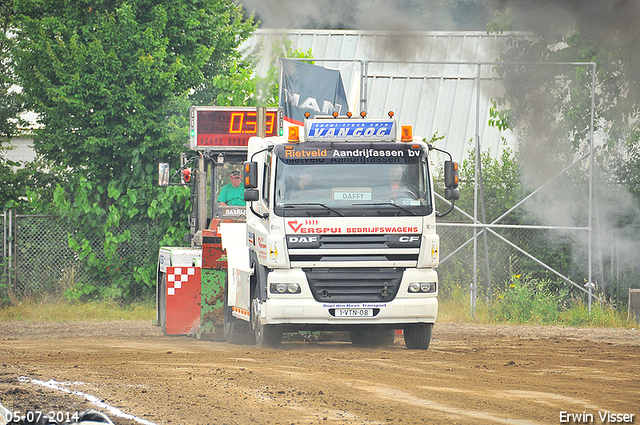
(180, 276)
(183, 301)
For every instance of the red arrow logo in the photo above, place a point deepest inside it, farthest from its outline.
(294, 225)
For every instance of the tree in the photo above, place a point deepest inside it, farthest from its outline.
(554, 102)
(111, 82)
(11, 105)
(550, 105)
(10, 108)
(244, 87)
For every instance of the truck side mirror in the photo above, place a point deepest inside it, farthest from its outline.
(451, 194)
(251, 192)
(250, 175)
(251, 195)
(163, 174)
(451, 191)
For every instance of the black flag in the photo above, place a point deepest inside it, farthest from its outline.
(311, 88)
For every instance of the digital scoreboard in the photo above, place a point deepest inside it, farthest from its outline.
(228, 127)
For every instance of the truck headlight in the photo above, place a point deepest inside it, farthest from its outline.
(423, 287)
(285, 288)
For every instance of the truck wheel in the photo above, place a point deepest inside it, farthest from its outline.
(372, 337)
(236, 331)
(418, 336)
(267, 336)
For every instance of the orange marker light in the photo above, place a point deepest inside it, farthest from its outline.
(407, 133)
(294, 134)
(247, 167)
(335, 114)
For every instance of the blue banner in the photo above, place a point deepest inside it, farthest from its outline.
(352, 129)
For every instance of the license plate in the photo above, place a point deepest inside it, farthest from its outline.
(354, 312)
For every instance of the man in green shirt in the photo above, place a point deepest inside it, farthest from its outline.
(232, 194)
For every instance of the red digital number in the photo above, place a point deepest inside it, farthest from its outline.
(251, 125)
(235, 123)
(243, 122)
(271, 118)
(231, 128)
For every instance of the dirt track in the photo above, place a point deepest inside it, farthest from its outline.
(470, 375)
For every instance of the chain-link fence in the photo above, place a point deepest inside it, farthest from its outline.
(502, 255)
(38, 261)
(559, 259)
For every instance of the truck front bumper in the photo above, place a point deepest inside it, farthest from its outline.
(303, 309)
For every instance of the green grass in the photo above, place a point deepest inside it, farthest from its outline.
(602, 316)
(64, 311)
(527, 302)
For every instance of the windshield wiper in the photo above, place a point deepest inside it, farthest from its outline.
(314, 204)
(388, 203)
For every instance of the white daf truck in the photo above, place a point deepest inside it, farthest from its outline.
(340, 235)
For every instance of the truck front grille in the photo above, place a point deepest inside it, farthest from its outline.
(314, 250)
(354, 285)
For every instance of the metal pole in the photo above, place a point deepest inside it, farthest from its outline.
(214, 192)
(4, 243)
(591, 177)
(508, 226)
(484, 237)
(365, 78)
(215, 208)
(261, 119)
(12, 261)
(201, 181)
(599, 241)
(481, 180)
(280, 85)
(474, 285)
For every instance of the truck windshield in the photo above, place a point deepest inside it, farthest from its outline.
(352, 179)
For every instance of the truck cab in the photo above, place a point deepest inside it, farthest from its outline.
(340, 235)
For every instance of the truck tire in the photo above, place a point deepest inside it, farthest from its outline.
(267, 336)
(418, 336)
(372, 337)
(236, 331)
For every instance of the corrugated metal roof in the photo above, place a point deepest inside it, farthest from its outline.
(429, 79)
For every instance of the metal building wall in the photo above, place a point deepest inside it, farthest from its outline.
(406, 73)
